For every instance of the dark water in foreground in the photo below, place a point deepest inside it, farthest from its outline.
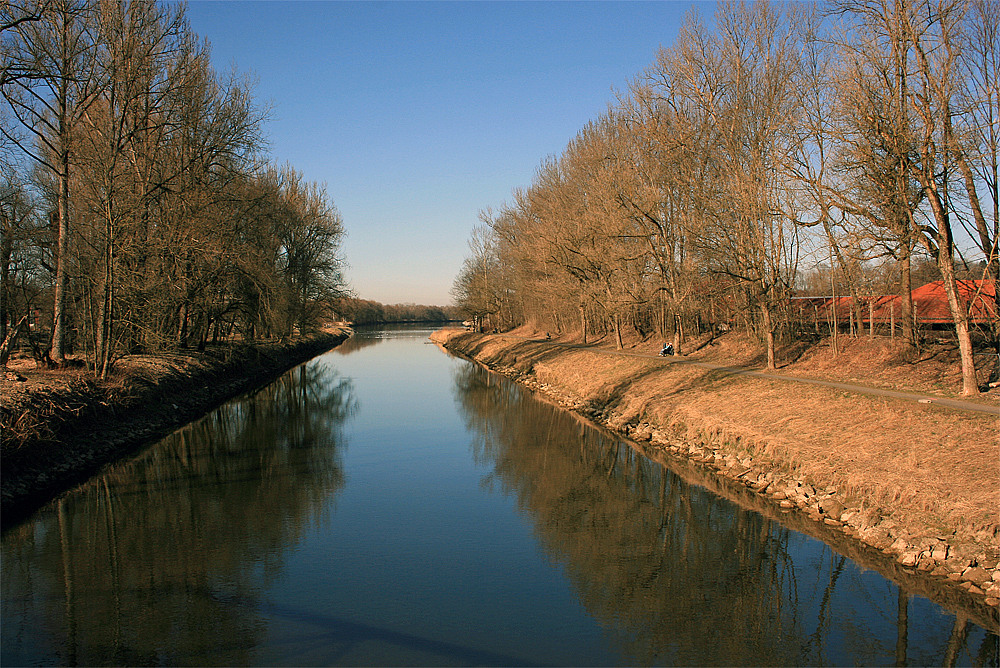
(386, 504)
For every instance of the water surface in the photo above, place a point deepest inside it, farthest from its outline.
(387, 504)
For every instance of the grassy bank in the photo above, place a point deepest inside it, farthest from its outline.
(59, 427)
(916, 481)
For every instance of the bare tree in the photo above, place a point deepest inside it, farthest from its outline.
(872, 158)
(56, 56)
(932, 29)
(744, 83)
(979, 130)
(19, 236)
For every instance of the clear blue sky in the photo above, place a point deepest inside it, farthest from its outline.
(417, 115)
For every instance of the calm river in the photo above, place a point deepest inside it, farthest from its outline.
(387, 504)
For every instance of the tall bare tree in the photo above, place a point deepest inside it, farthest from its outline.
(56, 58)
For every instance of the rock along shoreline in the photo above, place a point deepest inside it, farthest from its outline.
(962, 575)
(74, 431)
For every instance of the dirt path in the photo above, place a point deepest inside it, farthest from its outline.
(957, 404)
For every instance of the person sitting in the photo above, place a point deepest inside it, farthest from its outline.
(668, 349)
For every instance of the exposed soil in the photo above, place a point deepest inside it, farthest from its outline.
(918, 483)
(58, 427)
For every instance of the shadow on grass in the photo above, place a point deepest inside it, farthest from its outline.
(523, 355)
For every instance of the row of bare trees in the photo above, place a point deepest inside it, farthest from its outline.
(137, 202)
(861, 132)
(367, 312)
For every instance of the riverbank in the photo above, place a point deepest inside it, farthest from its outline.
(59, 427)
(917, 482)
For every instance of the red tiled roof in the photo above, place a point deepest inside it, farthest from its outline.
(930, 302)
(979, 298)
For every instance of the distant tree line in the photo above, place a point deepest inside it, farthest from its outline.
(138, 209)
(844, 139)
(367, 312)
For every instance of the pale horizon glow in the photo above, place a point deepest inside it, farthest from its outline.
(417, 115)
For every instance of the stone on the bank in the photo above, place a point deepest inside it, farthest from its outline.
(926, 564)
(900, 545)
(940, 552)
(832, 507)
(977, 576)
(909, 558)
(971, 588)
(642, 432)
(876, 536)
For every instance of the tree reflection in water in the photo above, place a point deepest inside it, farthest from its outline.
(676, 574)
(161, 559)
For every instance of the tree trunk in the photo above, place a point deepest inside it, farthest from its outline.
(57, 350)
(907, 321)
(961, 317)
(6, 250)
(182, 325)
(765, 312)
(100, 340)
(8, 341)
(203, 335)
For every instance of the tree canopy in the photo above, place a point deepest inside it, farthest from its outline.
(140, 211)
(750, 160)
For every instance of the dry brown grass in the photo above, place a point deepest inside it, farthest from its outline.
(877, 362)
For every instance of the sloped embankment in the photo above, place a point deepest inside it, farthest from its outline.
(57, 435)
(916, 482)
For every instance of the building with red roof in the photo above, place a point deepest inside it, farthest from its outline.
(929, 301)
(979, 298)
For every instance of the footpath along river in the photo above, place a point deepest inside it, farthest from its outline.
(388, 504)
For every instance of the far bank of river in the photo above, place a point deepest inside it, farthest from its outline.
(59, 430)
(909, 488)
